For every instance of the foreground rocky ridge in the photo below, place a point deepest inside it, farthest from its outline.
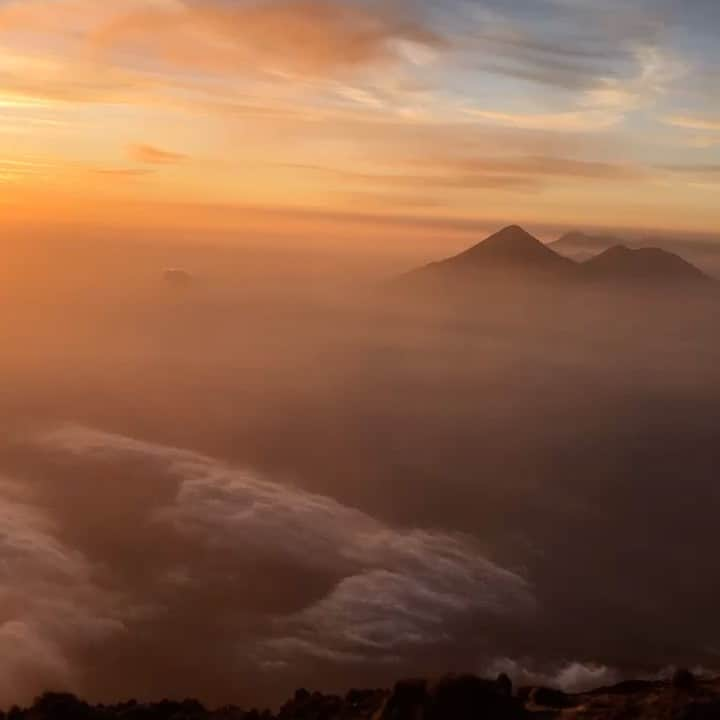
(454, 697)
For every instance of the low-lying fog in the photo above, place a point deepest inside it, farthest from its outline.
(285, 475)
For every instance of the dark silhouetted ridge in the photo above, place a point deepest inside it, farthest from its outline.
(450, 697)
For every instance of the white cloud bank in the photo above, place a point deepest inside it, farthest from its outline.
(50, 605)
(396, 589)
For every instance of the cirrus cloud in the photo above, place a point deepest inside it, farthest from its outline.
(155, 156)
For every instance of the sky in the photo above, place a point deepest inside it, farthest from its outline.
(562, 112)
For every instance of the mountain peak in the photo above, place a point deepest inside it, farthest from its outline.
(512, 246)
(510, 252)
(643, 265)
(513, 254)
(512, 235)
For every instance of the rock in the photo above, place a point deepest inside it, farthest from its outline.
(467, 697)
(627, 687)
(699, 711)
(505, 686)
(683, 679)
(407, 700)
(550, 698)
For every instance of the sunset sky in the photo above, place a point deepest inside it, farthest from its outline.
(567, 112)
(288, 399)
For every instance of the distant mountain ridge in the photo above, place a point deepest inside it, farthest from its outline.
(642, 265)
(513, 254)
(581, 246)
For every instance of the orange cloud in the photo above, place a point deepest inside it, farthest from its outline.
(125, 172)
(693, 123)
(509, 173)
(572, 121)
(279, 37)
(154, 156)
(556, 167)
(162, 52)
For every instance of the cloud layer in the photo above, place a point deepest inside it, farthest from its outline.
(386, 592)
(51, 604)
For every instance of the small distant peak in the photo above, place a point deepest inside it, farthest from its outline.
(580, 239)
(573, 236)
(177, 277)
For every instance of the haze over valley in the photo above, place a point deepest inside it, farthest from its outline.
(258, 487)
(346, 342)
